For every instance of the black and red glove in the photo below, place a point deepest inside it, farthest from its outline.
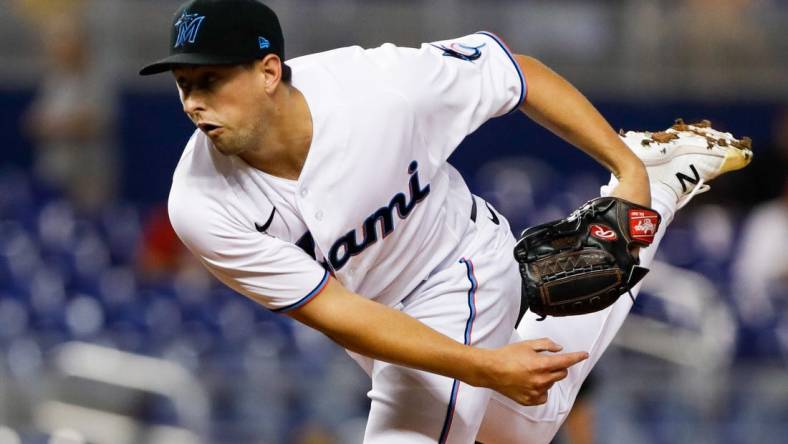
(583, 263)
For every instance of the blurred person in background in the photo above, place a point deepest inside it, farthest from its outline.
(761, 269)
(71, 118)
(160, 254)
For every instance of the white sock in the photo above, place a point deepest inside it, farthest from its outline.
(663, 199)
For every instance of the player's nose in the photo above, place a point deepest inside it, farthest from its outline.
(192, 104)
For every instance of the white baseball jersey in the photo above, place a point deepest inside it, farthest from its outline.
(376, 204)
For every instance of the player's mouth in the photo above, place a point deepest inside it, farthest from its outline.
(210, 129)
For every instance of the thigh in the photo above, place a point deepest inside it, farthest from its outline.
(474, 301)
(506, 422)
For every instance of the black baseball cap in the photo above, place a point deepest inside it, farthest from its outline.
(222, 32)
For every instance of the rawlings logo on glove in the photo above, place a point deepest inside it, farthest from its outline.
(583, 263)
(643, 224)
(603, 232)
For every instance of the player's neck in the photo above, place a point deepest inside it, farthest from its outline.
(283, 148)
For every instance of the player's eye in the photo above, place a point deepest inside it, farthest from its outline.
(182, 84)
(208, 81)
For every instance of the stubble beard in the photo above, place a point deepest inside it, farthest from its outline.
(236, 142)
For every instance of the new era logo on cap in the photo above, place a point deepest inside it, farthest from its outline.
(263, 42)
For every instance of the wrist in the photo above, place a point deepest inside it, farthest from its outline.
(632, 170)
(483, 368)
(634, 190)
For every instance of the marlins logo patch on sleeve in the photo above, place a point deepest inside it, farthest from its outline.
(462, 52)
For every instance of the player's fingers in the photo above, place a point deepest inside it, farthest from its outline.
(557, 375)
(545, 381)
(564, 360)
(544, 344)
(533, 399)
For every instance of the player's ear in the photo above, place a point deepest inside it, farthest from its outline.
(271, 68)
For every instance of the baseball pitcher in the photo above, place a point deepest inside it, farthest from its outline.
(320, 188)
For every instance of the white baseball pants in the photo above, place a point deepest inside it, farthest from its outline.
(474, 299)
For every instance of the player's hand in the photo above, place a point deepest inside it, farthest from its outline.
(524, 372)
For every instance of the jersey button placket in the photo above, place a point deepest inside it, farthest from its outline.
(319, 215)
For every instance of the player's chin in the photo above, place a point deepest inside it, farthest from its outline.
(225, 148)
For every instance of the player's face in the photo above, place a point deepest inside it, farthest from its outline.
(227, 103)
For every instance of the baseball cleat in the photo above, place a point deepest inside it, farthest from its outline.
(687, 156)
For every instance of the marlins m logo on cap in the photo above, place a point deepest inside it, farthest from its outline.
(221, 32)
(188, 26)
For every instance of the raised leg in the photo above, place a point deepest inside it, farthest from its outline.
(680, 161)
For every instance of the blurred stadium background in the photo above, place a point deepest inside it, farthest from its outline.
(110, 334)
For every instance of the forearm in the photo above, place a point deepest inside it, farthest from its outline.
(386, 334)
(523, 371)
(558, 106)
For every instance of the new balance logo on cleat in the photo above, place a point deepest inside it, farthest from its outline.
(683, 178)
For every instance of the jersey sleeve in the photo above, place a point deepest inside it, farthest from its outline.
(456, 85)
(275, 273)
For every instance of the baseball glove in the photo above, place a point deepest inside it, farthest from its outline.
(583, 263)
